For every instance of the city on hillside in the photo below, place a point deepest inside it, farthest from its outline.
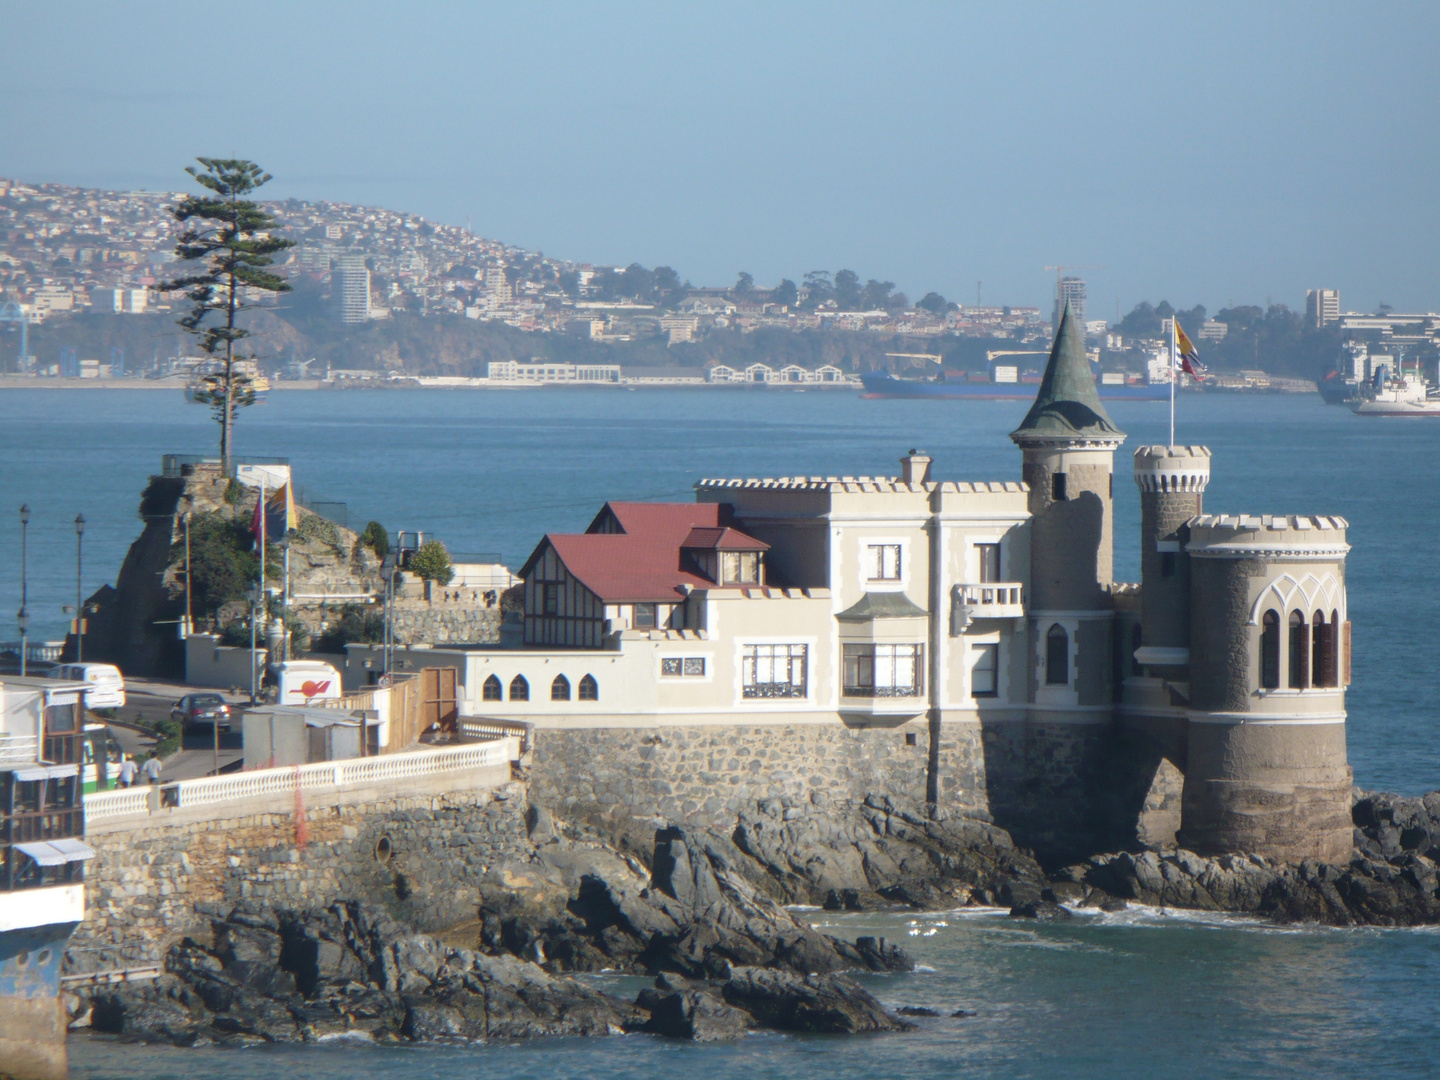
(379, 294)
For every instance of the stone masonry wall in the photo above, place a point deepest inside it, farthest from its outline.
(1045, 783)
(439, 623)
(149, 883)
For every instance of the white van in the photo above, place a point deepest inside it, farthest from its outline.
(299, 681)
(107, 685)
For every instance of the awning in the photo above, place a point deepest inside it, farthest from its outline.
(46, 772)
(57, 852)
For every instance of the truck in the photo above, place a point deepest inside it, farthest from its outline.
(299, 682)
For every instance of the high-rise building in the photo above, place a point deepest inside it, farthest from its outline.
(1071, 289)
(352, 288)
(1322, 306)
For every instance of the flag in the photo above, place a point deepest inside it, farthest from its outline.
(1189, 355)
(280, 515)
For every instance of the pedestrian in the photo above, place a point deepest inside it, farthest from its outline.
(128, 771)
(151, 768)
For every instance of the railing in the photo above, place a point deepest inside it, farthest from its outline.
(18, 749)
(484, 727)
(993, 599)
(175, 464)
(43, 651)
(325, 776)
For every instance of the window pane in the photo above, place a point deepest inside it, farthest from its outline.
(989, 561)
(671, 666)
(694, 665)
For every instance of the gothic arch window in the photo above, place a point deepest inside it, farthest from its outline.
(1342, 649)
(1057, 656)
(492, 691)
(1299, 651)
(1322, 648)
(589, 689)
(1270, 650)
(519, 689)
(560, 689)
(1136, 637)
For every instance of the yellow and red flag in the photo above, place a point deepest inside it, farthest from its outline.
(1189, 355)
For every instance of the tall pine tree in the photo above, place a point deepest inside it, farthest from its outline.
(229, 235)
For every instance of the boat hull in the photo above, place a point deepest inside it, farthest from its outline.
(884, 385)
(1391, 408)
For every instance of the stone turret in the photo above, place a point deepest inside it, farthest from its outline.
(1266, 769)
(1069, 442)
(1172, 482)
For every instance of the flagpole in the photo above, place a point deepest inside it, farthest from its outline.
(1174, 378)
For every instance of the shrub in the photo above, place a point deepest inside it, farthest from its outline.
(355, 625)
(432, 562)
(315, 527)
(376, 539)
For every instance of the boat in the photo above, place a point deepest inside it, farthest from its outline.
(881, 384)
(1409, 395)
(1337, 390)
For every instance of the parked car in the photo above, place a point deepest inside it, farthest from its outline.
(194, 710)
(107, 685)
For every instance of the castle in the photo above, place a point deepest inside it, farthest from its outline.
(961, 645)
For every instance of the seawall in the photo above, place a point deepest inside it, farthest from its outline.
(417, 849)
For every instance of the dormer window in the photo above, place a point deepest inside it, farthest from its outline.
(739, 568)
(644, 617)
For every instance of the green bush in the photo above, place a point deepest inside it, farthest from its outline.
(323, 530)
(376, 539)
(432, 562)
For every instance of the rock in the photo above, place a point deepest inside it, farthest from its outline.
(916, 1010)
(960, 1013)
(698, 1015)
(342, 969)
(1040, 909)
(812, 1004)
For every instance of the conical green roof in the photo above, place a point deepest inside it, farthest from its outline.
(1068, 404)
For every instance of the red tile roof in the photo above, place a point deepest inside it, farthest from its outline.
(725, 539)
(642, 563)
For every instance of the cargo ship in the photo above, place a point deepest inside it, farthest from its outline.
(881, 384)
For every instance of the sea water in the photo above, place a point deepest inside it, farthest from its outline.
(1135, 994)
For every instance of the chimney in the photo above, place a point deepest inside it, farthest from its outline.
(915, 467)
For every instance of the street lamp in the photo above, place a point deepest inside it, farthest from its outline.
(23, 615)
(79, 607)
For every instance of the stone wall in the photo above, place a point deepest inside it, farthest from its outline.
(441, 623)
(149, 883)
(1044, 783)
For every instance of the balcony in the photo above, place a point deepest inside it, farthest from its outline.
(986, 600)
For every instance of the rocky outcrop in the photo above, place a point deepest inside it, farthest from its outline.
(696, 915)
(286, 977)
(267, 976)
(1390, 880)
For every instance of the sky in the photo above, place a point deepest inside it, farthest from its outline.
(1200, 153)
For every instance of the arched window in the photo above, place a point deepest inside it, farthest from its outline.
(589, 689)
(1322, 651)
(519, 689)
(560, 689)
(1270, 651)
(1299, 651)
(1136, 637)
(491, 691)
(1342, 649)
(1057, 656)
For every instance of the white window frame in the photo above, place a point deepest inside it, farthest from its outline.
(808, 644)
(972, 666)
(884, 653)
(706, 659)
(866, 556)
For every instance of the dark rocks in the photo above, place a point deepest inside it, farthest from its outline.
(916, 1010)
(1040, 909)
(686, 1011)
(812, 1004)
(300, 976)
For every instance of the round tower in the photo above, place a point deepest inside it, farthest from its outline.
(1172, 482)
(1266, 769)
(1069, 441)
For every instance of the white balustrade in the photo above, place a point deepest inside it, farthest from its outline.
(993, 599)
(324, 776)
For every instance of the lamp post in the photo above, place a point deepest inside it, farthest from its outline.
(79, 606)
(23, 615)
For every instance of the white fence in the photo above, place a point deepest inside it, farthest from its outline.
(327, 776)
